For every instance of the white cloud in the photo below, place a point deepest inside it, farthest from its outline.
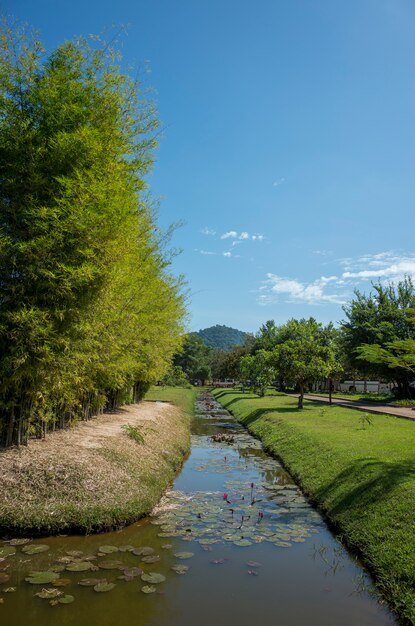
(278, 182)
(227, 254)
(207, 252)
(244, 235)
(295, 291)
(208, 231)
(257, 237)
(384, 265)
(231, 234)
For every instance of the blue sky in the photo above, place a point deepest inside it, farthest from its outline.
(288, 147)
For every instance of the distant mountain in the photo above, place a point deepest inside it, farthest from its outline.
(222, 337)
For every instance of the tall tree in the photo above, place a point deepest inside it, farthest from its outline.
(87, 308)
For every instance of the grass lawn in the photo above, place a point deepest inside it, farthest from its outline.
(360, 472)
(180, 396)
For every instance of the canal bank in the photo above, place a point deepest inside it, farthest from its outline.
(99, 475)
(358, 469)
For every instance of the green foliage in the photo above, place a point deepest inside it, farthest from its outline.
(134, 432)
(258, 369)
(223, 337)
(89, 315)
(378, 335)
(226, 364)
(194, 359)
(175, 377)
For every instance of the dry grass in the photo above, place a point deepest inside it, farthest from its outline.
(95, 476)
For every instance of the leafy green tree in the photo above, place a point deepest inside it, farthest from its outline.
(259, 370)
(194, 358)
(379, 319)
(89, 314)
(308, 355)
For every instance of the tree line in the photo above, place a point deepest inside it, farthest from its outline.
(90, 314)
(375, 340)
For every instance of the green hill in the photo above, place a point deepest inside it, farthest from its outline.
(222, 337)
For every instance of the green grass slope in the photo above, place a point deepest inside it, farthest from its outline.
(360, 472)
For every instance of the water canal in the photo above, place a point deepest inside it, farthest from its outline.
(233, 542)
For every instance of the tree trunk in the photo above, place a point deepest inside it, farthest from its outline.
(330, 390)
(301, 397)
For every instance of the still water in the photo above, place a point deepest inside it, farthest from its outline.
(233, 542)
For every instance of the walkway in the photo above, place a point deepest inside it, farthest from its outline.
(369, 407)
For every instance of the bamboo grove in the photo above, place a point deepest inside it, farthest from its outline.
(89, 313)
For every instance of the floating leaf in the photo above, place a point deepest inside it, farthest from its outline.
(126, 548)
(7, 551)
(18, 542)
(75, 553)
(153, 577)
(144, 551)
(57, 568)
(4, 577)
(35, 548)
(243, 543)
(110, 564)
(151, 559)
(41, 578)
(167, 546)
(218, 561)
(252, 572)
(91, 582)
(82, 566)
(132, 572)
(253, 564)
(180, 569)
(48, 593)
(108, 549)
(184, 555)
(148, 589)
(102, 587)
(66, 599)
(61, 582)
(9, 589)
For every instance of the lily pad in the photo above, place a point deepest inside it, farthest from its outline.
(148, 589)
(253, 564)
(102, 587)
(184, 555)
(7, 551)
(108, 549)
(167, 546)
(110, 564)
(61, 582)
(126, 548)
(75, 553)
(151, 559)
(67, 599)
(48, 593)
(41, 578)
(180, 569)
(18, 542)
(35, 548)
(91, 582)
(153, 577)
(144, 551)
(4, 577)
(82, 566)
(132, 572)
